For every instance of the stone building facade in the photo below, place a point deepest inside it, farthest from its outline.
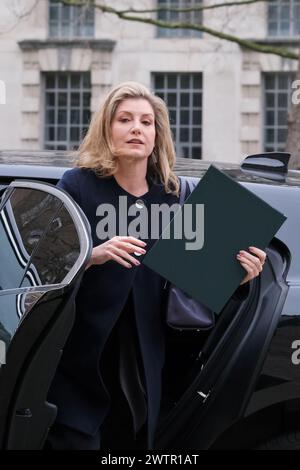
(57, 63)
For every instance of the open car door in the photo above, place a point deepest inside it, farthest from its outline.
(229, 363)
(44, 246)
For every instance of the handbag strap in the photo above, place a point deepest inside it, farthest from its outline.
(186, 183)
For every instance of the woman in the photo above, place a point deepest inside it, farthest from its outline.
(127, 154)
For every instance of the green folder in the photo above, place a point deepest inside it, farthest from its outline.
(224, 218)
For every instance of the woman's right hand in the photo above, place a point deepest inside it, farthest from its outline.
(118, 249)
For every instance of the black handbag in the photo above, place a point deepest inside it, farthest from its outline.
(183, 312)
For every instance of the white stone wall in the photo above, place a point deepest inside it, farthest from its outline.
(232, 100)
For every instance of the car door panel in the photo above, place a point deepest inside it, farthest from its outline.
(37, 310)
(31, 365)
(230, 362)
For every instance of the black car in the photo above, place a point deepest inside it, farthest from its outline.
(236, 386)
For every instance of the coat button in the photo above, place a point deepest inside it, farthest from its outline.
(139, 204)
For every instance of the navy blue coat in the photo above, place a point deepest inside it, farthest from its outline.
(78, 389)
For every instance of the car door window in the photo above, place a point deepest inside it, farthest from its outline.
(39, 246)
(56, 253)
(23, 220)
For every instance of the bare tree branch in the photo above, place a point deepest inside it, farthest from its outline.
(246, 43)
(177, 10)
(25, 13)
(20, 16)
(194, 8)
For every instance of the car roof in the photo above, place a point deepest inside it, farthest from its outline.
(52, 164)
(189, 167)
(32, 171)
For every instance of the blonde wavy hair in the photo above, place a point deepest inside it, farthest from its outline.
(96, 150)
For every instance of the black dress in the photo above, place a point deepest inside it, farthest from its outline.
(110, 295)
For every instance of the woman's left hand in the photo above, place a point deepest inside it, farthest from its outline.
(252, 263)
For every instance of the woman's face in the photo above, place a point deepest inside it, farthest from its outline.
(133, 128)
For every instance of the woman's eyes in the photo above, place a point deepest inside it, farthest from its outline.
(146, 123)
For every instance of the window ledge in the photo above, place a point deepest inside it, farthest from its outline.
(81, 43)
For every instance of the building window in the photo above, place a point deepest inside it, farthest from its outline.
(182, 92)
(284, 18)
(191, 17)
(69, 21)
(67, 108)
(277, 92)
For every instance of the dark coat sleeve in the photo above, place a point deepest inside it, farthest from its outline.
(242, 292)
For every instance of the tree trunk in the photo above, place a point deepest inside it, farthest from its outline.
(293, 137)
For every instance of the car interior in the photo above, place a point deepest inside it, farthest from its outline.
(210, 375)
